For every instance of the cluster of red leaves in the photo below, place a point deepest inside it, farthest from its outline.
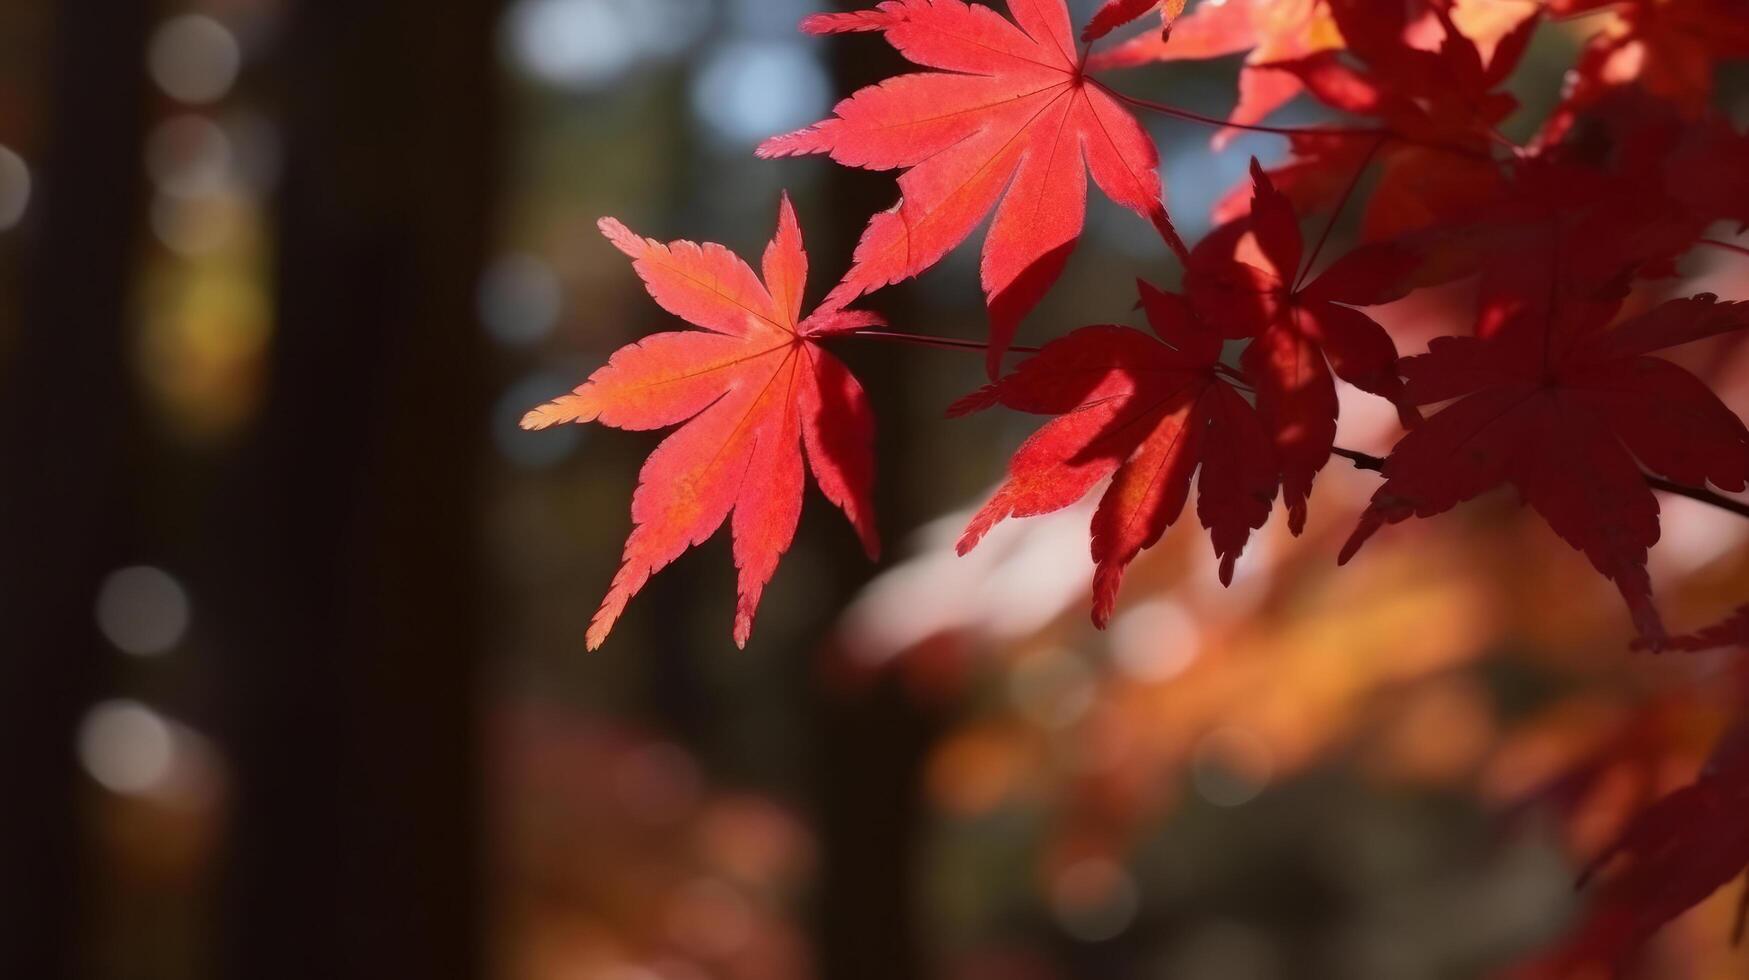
(1569, 241)
(1552, 399)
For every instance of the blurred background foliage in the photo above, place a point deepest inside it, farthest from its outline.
(294, 681)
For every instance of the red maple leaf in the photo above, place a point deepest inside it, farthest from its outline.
(1297, 326)
(1010, 118)
(1146, 413)
(1272, 31)
(1438, 106)
(1561, 408)
(754, 388)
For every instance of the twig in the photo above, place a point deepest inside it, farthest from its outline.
(1363, 461)
(1727, 246)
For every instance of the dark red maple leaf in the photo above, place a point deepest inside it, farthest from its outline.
(1629, 149)
(754, 388)
(1627, 191)
(1669, 50)
(1010, 122)
(1561, 408)
(1147, 412)
(1302, 329)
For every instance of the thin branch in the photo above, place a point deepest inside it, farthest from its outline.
(1341, 203)
(1720, 501)
(1364, 461)
(1361, 461)
(1233, 376)
(1727, 246)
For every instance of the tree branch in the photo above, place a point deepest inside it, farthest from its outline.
(1364, 461)
(1727, 246)
(1361, 461)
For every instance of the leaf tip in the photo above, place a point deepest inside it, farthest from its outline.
(977, 401)
(1106, 580)
(1260, 179)
(821, 24)
(992, 514)
(623, 238)
(973, 534)
(1369, 523)
(596, 636)
(1296, 517)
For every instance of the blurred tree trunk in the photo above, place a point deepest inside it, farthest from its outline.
(352, 658)
(67, 420)
(872, 739)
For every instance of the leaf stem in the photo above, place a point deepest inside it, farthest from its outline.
(1234, 377)
(1381, 133)
(1197, 117)
(1335, 214)
(1364, 461)
(943, 343)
